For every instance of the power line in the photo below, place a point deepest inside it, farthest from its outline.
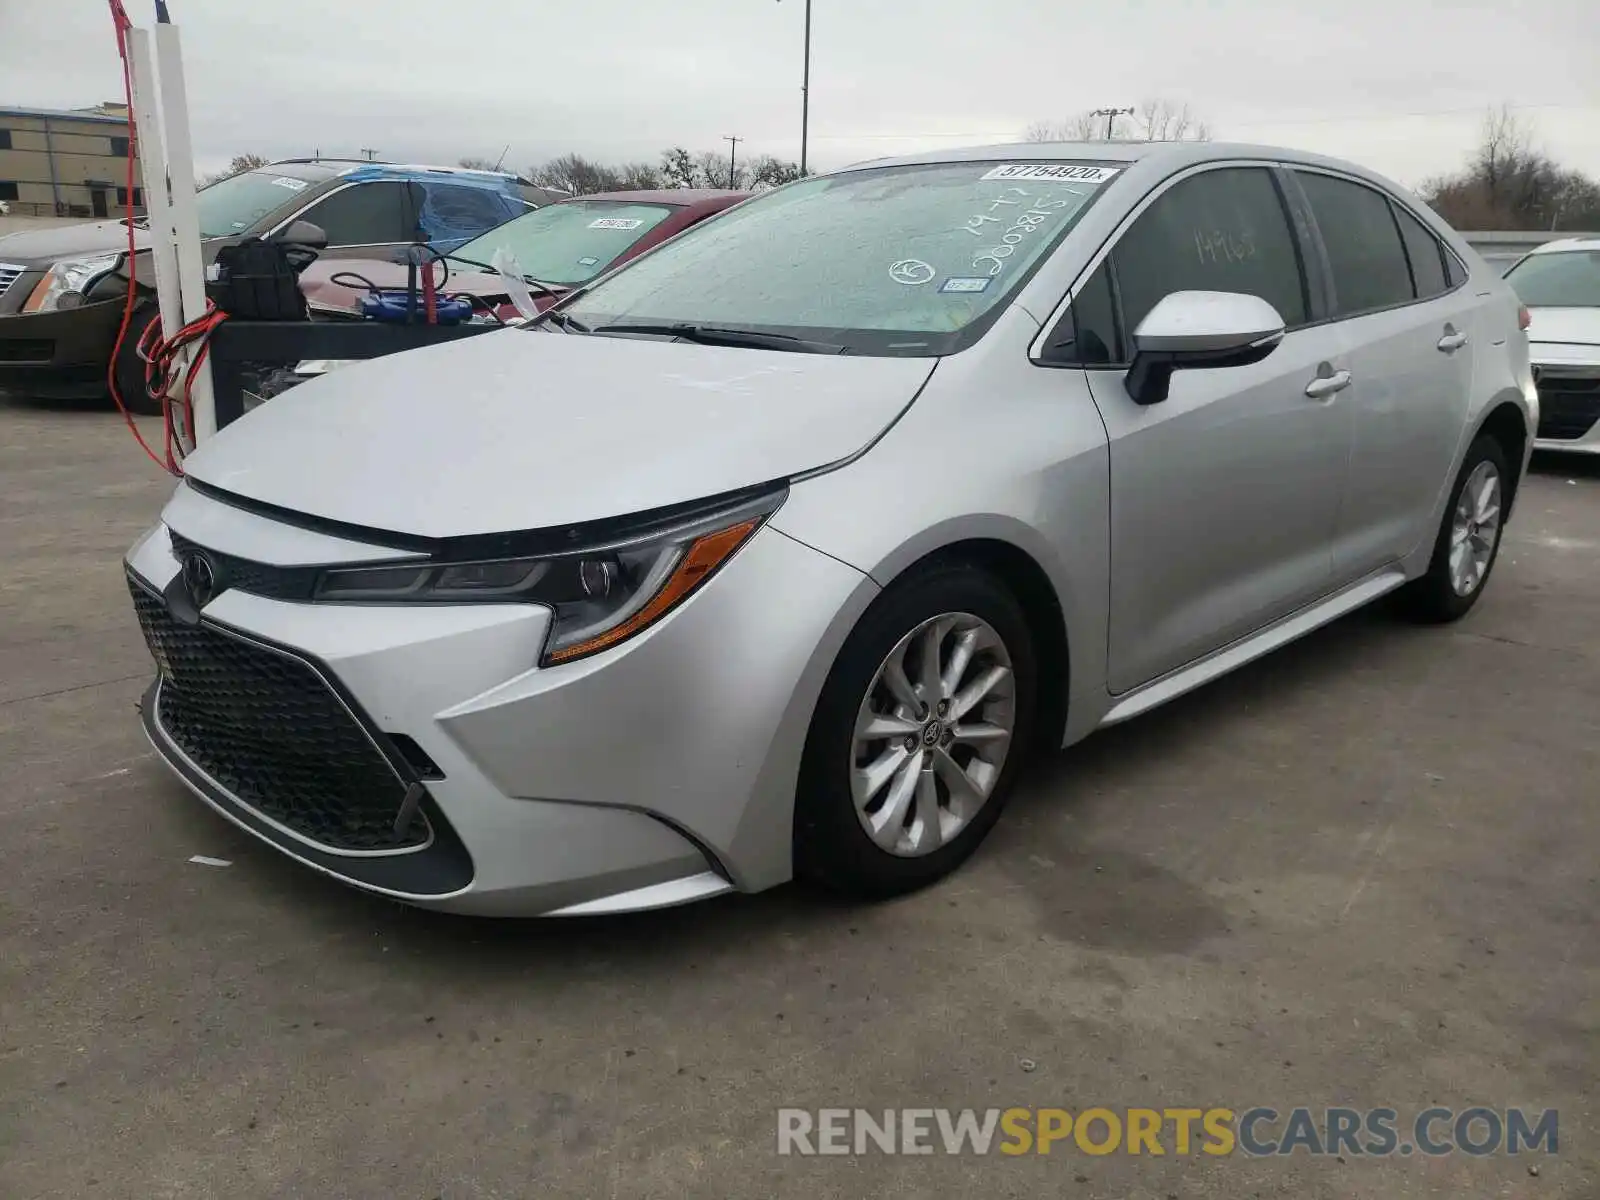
(1324, 119)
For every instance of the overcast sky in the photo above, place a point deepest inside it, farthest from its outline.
(1400, 85)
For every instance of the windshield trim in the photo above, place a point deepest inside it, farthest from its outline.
(895, 343)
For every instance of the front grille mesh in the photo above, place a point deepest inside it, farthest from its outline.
(9, 274)
(1569, 405)
(268, 729)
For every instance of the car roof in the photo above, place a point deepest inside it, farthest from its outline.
(332, 168)
(681, 197)
(1169, 155)
(1565, 244)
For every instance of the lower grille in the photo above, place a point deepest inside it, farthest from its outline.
(267, 728)
(1569, 405)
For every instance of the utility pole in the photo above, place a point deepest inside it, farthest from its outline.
(1111, 115)
(369, 155)
(805, 92)
(733, 150)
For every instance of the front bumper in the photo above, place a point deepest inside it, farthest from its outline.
(1568, 379)
(657, 772)
(59, 354)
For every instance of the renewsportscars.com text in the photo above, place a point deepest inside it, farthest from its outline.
(1256, 1132)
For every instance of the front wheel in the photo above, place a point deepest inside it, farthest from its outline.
(130, 368)
(1468, 542)
(918, 734)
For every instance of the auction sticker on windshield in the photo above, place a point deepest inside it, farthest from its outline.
(616, 223)
(294, 185)
(1055, 172)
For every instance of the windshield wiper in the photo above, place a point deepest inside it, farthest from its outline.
(714, 335)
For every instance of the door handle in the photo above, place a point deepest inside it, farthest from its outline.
(1452, 341)
(1327, 385)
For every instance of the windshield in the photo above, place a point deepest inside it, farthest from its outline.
(1562, 279)
(235, 204)
(571, 242)
(914, 260)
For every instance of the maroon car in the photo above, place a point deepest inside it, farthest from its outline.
(562, 246)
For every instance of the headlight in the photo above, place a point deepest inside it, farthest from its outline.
(66, 283)
(600, 596)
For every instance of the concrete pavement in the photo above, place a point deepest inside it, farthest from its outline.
(1364, 872)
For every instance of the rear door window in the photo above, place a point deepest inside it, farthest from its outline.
(454, 211)
(1365, 253)
(1221, 231)
(1427, 258)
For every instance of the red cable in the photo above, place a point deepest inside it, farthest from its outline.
(119, 18)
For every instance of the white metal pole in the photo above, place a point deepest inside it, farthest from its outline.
(153, 170)
(185, 216)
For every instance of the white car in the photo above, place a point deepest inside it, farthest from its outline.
(1560, 284)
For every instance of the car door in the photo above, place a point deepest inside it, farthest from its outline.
(1408, 332)
(370, 219)
(1224, 496)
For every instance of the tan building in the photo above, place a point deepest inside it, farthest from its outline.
(67, 162)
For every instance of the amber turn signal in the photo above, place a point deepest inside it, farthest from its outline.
(704, 556)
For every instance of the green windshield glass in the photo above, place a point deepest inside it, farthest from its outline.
(236, 204)
(896, 260)
(571, 242)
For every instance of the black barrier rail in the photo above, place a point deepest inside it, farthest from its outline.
(239, 348)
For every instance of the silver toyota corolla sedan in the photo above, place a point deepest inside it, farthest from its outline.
(773, 552)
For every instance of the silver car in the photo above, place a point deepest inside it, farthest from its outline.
(1560, 284)
(774, 552)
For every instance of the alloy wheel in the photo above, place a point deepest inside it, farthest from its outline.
(1475, 529)
(932, 734)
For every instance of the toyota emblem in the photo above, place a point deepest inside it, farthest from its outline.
(199, 578)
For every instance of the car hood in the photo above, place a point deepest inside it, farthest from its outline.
(70, 241)
(527, 429)
(1572, 326)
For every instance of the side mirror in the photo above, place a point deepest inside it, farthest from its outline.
(1193, 330)
(302, 233)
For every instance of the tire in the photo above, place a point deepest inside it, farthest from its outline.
(832, 845)
(130, 368)
(1437, 597)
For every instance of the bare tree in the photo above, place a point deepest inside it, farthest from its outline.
(477, 164)
(1161, 120)
(1509, 183)
(575, 175)
(770, 172)
(238, 165)
(638, 176)
(1154, 120)
(678, 169)
(1081, 128)
(711, 166)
